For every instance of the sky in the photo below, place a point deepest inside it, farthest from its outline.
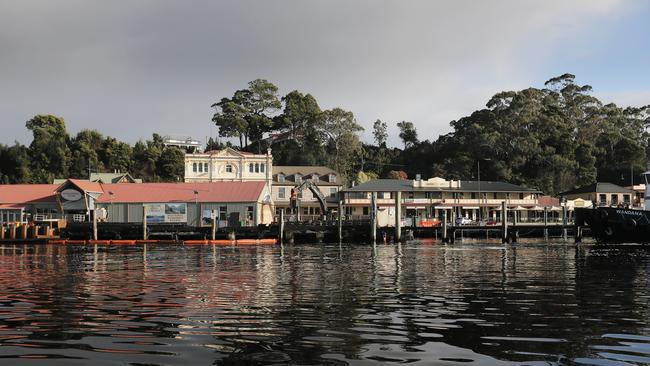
(132, 68)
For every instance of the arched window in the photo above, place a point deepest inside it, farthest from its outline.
(194, 168)
(228, 168)
(250, 168)
(262, 167)
(257, 168)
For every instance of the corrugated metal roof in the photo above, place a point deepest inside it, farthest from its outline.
(25, 193)
(394, 185)
(182, 192)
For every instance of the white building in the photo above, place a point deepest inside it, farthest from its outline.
(228, 165)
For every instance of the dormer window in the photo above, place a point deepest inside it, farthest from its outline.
(281, 178)
(298, 178)
(228, 168)
(315, 177)
(332, 178)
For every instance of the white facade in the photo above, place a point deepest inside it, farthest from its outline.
(228, 165)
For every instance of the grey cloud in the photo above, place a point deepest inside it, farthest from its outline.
(130, 68)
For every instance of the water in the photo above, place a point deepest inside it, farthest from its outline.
(425, 304)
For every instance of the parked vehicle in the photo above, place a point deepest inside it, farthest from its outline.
(463, 221)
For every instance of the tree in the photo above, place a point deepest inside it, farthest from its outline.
(407, 133)
(340, 128)
(49, 153)
(246, 114)
(85, 148)
(380, 133)
(14, 164)
(300, 113)
(397, 174)
(171, 165)
(230, 118)
(363, 177)
(117, 155)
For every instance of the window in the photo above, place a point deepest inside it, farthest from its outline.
(521, 196)
(626, 199)
(205, 167)
(602, 198)
(411, 195)
(228, 168)
(494, 195)
(332, 178)
(299, 195)
(194, 168)
(614, 199)
(262, 168)
(249, 213)
(282, 192)
(200, 168)
(223, 213)
(473, 195)
(281, 178)
(257, 168)
(298, 178)
(250, 168)
(366, 210)
(315, 177)
(333, 192)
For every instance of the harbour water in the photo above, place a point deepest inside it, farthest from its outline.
(420, 304)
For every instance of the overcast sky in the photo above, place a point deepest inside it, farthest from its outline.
(131, 68)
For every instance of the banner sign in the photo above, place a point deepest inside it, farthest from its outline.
(166, 212)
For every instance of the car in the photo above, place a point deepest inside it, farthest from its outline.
(463, 221)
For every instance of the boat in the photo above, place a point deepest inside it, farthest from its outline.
(616, 224)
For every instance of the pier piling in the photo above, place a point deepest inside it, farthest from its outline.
(144, 223)
(398, 216)
(545, 223)
(444, 226)
(213, 215)
(281, 226)
(340, 221)
(504, 222)
(373, 218)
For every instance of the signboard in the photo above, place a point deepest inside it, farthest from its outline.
(207, 216)
(71, 195)
(166, 212)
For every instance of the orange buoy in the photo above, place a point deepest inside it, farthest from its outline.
(123, 242)
(221, 242)
(195, 242)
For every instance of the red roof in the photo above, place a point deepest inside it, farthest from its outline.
(25, 193)
(548, 201)
(182, 192)
(85, 185)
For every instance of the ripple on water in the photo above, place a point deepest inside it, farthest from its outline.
(324, 305)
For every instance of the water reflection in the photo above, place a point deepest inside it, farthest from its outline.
(487, 304)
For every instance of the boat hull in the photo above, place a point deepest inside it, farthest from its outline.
(616, 225)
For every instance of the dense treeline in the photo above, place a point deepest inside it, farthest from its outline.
(552, 138)
(54, 154)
